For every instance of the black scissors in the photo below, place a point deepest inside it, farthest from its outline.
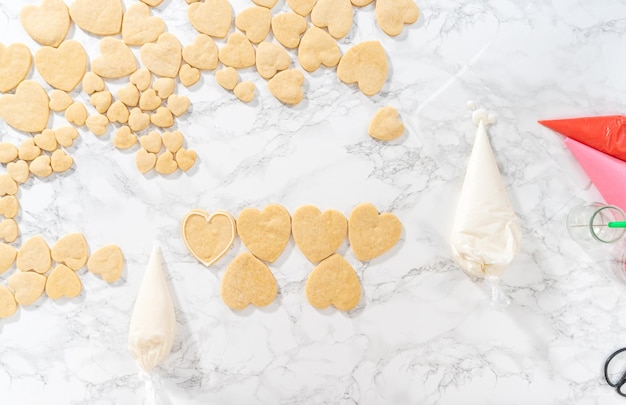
(622, 380)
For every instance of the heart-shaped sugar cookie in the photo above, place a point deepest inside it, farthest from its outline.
(63, 282)
(15, 61)
(286, 86)
(145, 160)
(108, 262)
(227, 78)
(246, 281)
(138, 120)
(385, 125)
(118, 112)
(46, 140)
(139, 27)
(62, 67)
(34, 255)
(317, 47)
(59, 100)
(173, 141)
(149, 100)
(152, 3)
(208, 237)
(333, 282)
(101, 100)
(371, 234)
(9, 230)
(28, 150)
(66, 136)
(60, 161)
(124, 138)
(162, 118)
(202, 54)
(41, 166)
(188, 75)
(178, 105)
(165, 163)
(334, 14)
(186, 158)
(9, 206)
(288, 28)
(164, 57)
(8, 152)
(244, 91)
(129, 95)
(8, 306)
(318, 234)
(27, 110)
(271, 58)
(7, 184)
(255, 23)
(18, 171)
(100, 17)
(265, 233)
(211, 17)
(97, 124)
(47, 23)
(71, 250)
(265, 3)
(302, 7)
(115, 60)
(141, 78)
(164, 87)
(366, 65)
(28, 286)
(361, 3)
(238, 52)
(391, 15)
(76, 114)
(151, 142)
(7, 257)
(92, 83)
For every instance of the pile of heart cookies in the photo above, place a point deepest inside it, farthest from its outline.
(34, 276)
(265, 234)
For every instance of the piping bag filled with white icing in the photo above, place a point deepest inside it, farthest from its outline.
(152, 324)
(485, 233)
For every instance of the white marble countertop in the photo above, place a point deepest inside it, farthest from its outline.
(423, 332)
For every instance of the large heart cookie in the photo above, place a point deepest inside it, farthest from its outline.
(116, 59)
(8, 306)
(47, 23)
(247, 280)
(100, 17)
(34, 255)
(318, 234)
(71, 250)
(334, 14)
(26, 110)
(255, 22)
(271, 58)
(208, 237)
(366, 65)
(288, 28)
(15, 61)
(317, 47)
(28, 286)
(164, 57)
(139, 27)
(63, 281)
(371, 234)
(286, 86)
(333, 282)
(211, 17)
(62, 67)
(385, 125)
(391, 15)
(238, 52)
(202, 53)
(265, 233)
(108, 262)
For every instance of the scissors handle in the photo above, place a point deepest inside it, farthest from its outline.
(622, 380)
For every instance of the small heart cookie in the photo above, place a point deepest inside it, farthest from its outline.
(62, 67)
(391, 15)
(138, 120)
(97, 124)
(188, 75)
(151, 142)
(165, 163)
(66, 136)
(255, 23)
(115, 60)
(286, 86)
(162, 118)
(100, 17)
(128, 95)
(34, 255)
(63, 281)
(8, 306)
(271, 58)
(18, 171)
(9, 230)
(186, 158)
(124, 138)
(101, 100)
(46, 140)
(238, 52)
(28, 286)
(76, 114)
(9, 206)
(202, 54)
(164, 87)
(227, 78)
(47, 23)
(7, 257)
(8, 186)
(244, 91)
(8, 152)
(118, 112)
(149, 100)
(92, 83)
(141, 78)
(247, 280)
(139, 27)
(288, 28)
(211, 17)
(178, 105)
(302, 7)
(385, 125)
(145, 160)
(107, 262)
(41, 166)
(164, 57)
(208, 237)
(71, 250)
(59, 100)
(15, 61)
(334, 14)
(317, 47)
(28, 150)
(60, 161)
(333, 282)
(318, 234)
(27, 110)
(265, 233)
(371, 234)
(173, 141)
(366, 65)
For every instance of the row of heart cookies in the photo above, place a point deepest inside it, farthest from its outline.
(34, 260)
